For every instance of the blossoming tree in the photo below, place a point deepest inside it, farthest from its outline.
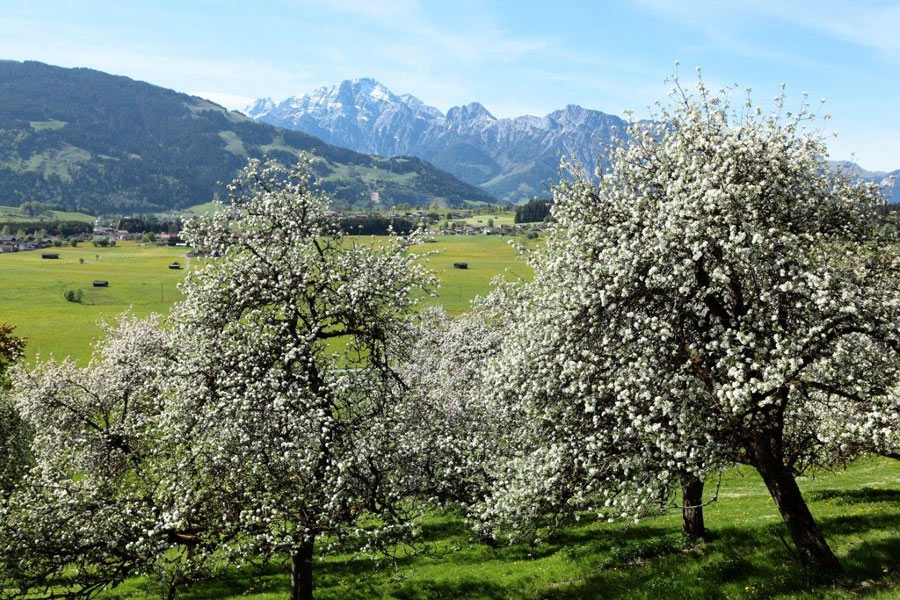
(451, 428)
(706, 302)
(291, 340)
(265, 414)
(14, 435)
(97, 505)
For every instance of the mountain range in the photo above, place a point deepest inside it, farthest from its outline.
(515, 159)
(79, 139)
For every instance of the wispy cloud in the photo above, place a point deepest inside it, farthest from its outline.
(872, 25)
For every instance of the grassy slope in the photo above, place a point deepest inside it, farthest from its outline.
(859, 510)
(12, 214)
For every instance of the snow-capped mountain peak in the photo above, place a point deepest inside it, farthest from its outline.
(512, 158)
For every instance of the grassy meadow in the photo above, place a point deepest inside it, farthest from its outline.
(32, 288)
(32, 292)
(486, 256)
(10, 215)
(746, 558)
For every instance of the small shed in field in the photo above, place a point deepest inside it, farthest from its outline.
(101, 283)
(460, 265)
(49, 255)
(175, 265)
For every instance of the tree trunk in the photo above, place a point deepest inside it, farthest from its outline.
(302, 571)
(692, 505)
(768, 459)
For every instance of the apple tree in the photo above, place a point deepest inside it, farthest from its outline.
(98, 504)
(14, 434)
(288, 383)
(718, 295)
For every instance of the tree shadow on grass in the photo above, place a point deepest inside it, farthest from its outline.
(867, 495)
(860, 523)
(693, 571)
(645, 561)
(870, 559)
(757, 563)
(439, 590)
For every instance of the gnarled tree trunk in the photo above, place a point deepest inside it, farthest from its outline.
(302, 571)
(768, 459)
(692, 505)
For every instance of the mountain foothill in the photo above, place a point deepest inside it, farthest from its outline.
(83, 140)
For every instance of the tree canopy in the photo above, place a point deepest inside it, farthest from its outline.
(718, 296)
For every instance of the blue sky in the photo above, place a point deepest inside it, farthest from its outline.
(515, 57)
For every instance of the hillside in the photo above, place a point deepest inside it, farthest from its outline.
(84, 140)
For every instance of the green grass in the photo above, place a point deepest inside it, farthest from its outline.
(499, 218)
(59, 215)
(31, 292)
(31, 288)
(858, 509)
(487, 256)
(197, 209)
(13, 214)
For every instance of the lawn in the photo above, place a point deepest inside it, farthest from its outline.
(746, 557)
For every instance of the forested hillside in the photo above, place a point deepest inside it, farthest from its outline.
(84, 140)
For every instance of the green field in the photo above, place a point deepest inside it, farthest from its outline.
(499, 218)
(486, 256)
(32, 288)
(746, 557)
(12, 214)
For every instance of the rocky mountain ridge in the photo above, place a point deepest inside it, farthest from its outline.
(516, 159)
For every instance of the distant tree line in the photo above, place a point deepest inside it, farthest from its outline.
(55, 228)
(373, 224)
(533, 211)
(150, 224)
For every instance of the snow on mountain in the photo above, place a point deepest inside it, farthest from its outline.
(515, 159)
